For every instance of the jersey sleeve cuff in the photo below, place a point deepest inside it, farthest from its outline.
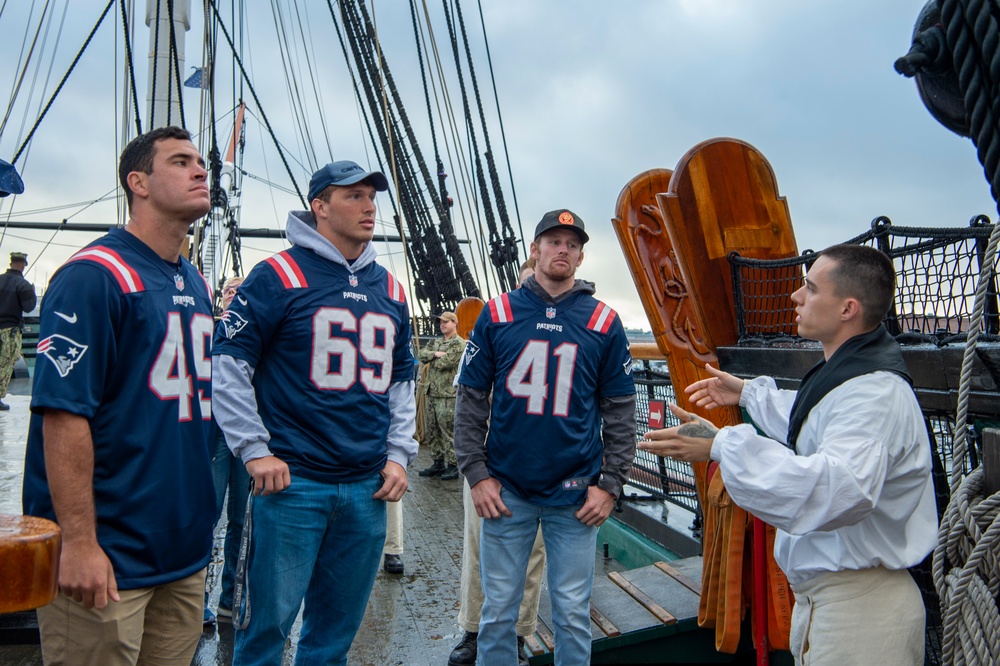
(253, 451)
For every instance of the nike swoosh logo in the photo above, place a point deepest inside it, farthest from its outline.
(70, 318)
(242, 300)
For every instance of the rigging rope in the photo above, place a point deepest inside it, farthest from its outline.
(503, 135)
(22, 66)
(256, 99)
(966, 565)
(505, 252)
(462, 174)
(176, 67)
(131, 71)
(62, 83)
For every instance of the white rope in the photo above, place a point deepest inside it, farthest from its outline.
(969, 535)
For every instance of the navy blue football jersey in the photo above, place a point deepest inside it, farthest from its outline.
(125, 341)
(325, 343)
(548, 366)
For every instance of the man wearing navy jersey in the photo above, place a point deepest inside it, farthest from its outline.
(314, 389)
(558, 365)
(118, 444)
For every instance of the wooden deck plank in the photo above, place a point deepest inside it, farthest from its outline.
(665, 590)
(679, 577)
(640, 596)
(603, 623)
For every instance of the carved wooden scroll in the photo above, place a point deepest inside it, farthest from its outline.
(676, 322)
(722, 198)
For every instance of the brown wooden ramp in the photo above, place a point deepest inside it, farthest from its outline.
(647, 615)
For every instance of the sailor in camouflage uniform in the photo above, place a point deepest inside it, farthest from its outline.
(17, 296)
(442, 356)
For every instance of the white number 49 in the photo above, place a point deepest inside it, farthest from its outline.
(169, 378)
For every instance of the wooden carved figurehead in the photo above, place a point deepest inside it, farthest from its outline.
(724, 198)
(677, 324)
(721, 198)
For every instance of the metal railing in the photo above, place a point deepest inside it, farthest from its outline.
(661, 477)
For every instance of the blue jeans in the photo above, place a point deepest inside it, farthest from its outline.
(504, 547)
(229, 474)
(314, 541)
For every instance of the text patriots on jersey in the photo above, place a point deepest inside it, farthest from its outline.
(232, 323)
(62, 351)
(187, 301)
(356, 296)
(549, 327)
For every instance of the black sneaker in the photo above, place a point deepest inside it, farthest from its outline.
(464, 653)
(4, 407)
(393, 564)
(434, 469)
(450, 473)
(522, 657)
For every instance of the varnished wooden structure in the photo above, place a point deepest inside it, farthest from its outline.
(29, 562)
(467, 311)
(677, 230)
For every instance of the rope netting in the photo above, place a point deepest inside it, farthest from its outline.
(937, 271)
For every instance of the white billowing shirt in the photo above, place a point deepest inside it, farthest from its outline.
(858, 495)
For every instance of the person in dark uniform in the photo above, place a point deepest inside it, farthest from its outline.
(17, 296)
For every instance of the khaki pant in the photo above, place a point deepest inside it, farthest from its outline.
(152, 625)
(873, 616)
(393, 528)
(472, 589)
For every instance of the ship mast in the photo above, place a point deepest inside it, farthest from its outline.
(168, 22)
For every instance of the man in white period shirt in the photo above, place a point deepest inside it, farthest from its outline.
(844, 473)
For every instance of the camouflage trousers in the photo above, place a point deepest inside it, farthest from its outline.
(439, 428)
(10, 351)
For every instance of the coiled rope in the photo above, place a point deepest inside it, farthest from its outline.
(966, 563)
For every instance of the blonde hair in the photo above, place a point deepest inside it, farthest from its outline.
(234, 281)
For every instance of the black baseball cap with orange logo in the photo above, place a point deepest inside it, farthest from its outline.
(561, 218)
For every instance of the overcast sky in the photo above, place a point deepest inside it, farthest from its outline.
(592, 93)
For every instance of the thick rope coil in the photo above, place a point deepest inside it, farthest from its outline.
(966, 562)
(968, 535)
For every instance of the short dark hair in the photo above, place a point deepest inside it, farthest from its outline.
(866, 274)
(138, 154)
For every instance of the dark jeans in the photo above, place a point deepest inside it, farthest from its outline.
(229, 474)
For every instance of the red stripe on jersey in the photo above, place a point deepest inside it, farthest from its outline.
(127, 277)
(396, 292)
(289, 272)
(208, 287)
(601, 320)
(500, 310)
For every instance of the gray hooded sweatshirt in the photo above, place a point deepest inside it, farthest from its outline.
(234, 403)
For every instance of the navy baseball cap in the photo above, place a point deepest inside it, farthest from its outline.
(561, 218)
(342, 173)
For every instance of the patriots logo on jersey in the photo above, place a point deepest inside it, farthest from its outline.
(353, 279)
(62, 351)
(471, 349)
(550, 313)
(627, 366)
(179, 282)
(232, 323)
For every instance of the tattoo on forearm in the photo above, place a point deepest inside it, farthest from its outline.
(698, 428)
